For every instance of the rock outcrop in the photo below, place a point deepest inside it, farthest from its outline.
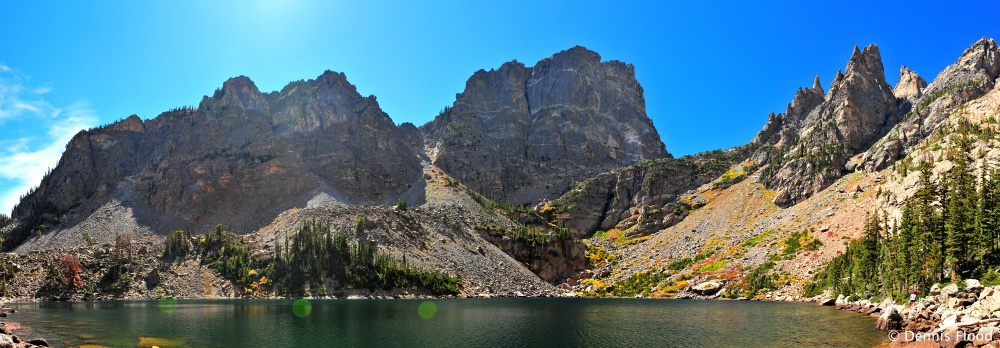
(707, 288)
(981, 61)
(970, 77)
(642, 198)
(521, 134)
(910, 85)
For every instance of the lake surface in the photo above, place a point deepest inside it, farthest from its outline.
(522, 322)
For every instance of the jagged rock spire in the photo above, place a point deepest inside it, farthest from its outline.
(910, 84)
(816, 85)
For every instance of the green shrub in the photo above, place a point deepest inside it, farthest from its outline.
(639, 283)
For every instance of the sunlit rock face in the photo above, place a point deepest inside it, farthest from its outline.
(521, 134)
(239, 159)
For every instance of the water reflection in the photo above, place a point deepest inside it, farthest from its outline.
(446, 323)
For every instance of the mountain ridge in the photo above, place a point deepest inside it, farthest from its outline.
(540, 163)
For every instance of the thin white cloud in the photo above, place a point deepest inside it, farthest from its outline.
(19, 105)
(26, 158)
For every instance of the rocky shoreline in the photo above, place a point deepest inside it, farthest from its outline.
(7, 337)
(966, 314)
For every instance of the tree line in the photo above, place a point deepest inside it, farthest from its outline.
(306, 261)
(949, 231)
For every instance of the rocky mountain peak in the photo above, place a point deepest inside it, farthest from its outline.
(818, 133)
(837, 79)
(862, 104)
(910, 84)
(867, 61)
(131, 124)
(978, 63)
(331, 78)
(816, 85)
(238, 92)
(241, 158)
(524, 134)
(574, 55)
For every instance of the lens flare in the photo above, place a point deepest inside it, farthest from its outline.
(167, 305)
(427, 309)
(301, 308)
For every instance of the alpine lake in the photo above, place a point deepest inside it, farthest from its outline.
(509, 322)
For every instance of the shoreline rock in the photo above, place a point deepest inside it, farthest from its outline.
(7, 337)
(949, 316)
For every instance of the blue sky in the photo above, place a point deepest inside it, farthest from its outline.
(711, 70)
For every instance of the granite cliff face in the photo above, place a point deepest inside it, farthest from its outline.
(910, 85)
(927, 107)
(345, 140)
(522, 134)
(808, 146)
(642, 198)
(240, 158)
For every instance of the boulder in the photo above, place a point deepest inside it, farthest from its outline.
(954, 303)
(886, 303)
(985, 335)
(989, 302)
(950, 319)
(841, 301)
(8, 327)
(41, 342)
(949, 291)
(919, 325)
(889, 320)
(829, 301)
(707, 288)
(987, 292)
(153, 279)
(973, 286)
(952, 337)
(936, 289)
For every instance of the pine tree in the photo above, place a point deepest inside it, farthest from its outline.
(960, 222)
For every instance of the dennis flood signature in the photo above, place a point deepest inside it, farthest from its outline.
(909, 336)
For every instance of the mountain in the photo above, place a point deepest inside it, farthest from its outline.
(522, 134)
(240, 158)
(807, 147)
(534, 177)
(266, 164)
(813, 177)
(797, 153)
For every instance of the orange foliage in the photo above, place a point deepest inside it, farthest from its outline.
(69, 266)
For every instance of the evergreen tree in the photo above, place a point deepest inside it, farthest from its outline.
(960, 222)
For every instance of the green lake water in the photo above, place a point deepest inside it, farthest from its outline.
(521, 322)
